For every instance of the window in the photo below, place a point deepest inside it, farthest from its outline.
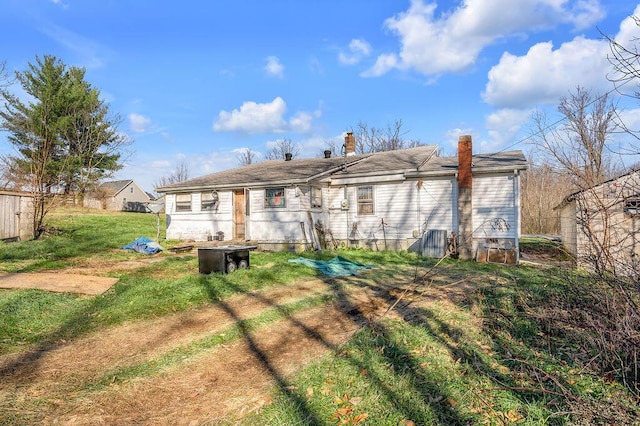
(632, 206)
(316, 197)
(365, 200)
(274, 197)
(183, 202)
(132, 189)
(209, 200)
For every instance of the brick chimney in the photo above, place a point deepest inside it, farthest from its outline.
(465, 207)
(349, 144)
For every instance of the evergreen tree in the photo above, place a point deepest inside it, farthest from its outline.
(64, 138)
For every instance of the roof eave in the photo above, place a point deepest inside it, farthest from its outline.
(224, 187)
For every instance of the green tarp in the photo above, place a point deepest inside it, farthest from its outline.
(336, 267)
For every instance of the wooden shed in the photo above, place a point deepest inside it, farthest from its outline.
(16, 216)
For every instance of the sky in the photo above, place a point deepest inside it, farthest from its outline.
(198, 82)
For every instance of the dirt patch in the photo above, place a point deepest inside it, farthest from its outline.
(56, 384)
(58, 282)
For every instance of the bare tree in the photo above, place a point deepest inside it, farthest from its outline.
(282, 147)
(542, 189)
(577, 147)
(625, 59)
(246, 157)
(332, 146)
(179, 174)
(603, 215)
(377, 139)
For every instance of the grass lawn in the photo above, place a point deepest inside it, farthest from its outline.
(465, 343)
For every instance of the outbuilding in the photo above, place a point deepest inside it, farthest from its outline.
(16, 216)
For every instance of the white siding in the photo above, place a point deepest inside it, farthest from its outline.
(405, 207)
(494, 197)
(439, 204)
(199, 225)
(280, 224)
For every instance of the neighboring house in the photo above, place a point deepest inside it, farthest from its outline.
(600, 225)
(16, 216)
(119, 195)
(384, 200)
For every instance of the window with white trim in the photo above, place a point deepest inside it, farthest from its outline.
(183, 202)
(365, 200)
(274, 198)
(316, 197)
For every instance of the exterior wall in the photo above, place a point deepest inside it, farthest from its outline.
(285, 226)
(607, 236)
(16, 216)
(408, 209)
(496, 217)
(129, 198)
(568, 228)
(196, 224)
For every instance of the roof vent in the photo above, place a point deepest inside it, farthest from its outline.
(288, 156)
(327, 153)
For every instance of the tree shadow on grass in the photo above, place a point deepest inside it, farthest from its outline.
(423, 385)
(80, 322)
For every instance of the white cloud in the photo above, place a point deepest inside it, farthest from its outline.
(301, 122)
(273, 67)
(631, 119)
(452, 41)
(504, 126)
(452, 136)
(358, 49)
(139, 123)
(253, 117)
(544, 74)
(60, 3)
(160, 164)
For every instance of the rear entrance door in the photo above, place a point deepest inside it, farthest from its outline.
(239, 213)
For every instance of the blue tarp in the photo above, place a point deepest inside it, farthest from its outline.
(336, 267)
(143, 245)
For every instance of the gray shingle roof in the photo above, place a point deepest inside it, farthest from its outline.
(389, 161)
(266, 172)
(115, 186)
(280, 172)
(508, 160)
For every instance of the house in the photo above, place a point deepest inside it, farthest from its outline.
(119, 195)
(16, 216)
(384, 200)
(599, 225)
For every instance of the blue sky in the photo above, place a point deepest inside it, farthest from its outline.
(199, 81)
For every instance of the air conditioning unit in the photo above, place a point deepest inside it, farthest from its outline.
(344, 204)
